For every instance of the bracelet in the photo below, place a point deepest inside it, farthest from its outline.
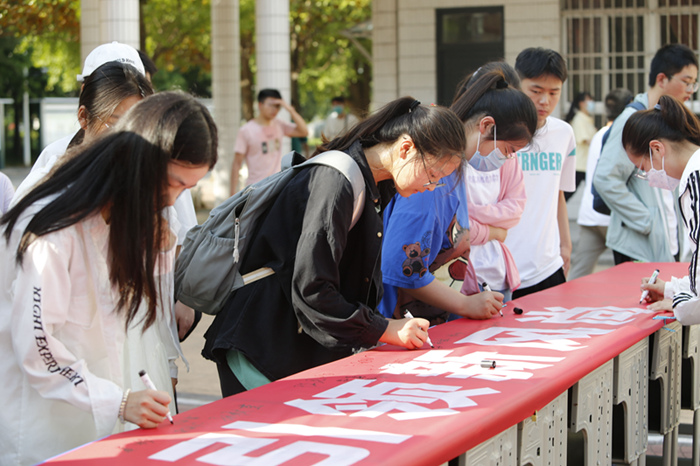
(122, 406)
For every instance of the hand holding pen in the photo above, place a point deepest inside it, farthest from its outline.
(652, 289)
(486, 287)
(149, 384)
(408, 315)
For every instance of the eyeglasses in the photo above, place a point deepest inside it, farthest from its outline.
(638, 172)
(430, 182)
(690, 86)
(103, 122)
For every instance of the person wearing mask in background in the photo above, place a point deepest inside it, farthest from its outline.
(594, 225)
(320, 304)
(580, 117)
(339, 121)
(663, 143)
(259, 142)
(549, 169)
(79, 258)
(644, 220)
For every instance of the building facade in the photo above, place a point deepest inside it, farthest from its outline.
(424, 48)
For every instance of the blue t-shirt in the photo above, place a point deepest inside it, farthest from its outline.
(415, 231)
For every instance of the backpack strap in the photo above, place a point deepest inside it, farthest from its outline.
(345, 165)
(349, 168)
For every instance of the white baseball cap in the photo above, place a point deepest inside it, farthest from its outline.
(115, 51)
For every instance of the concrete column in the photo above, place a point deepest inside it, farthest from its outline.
(385, 52)
(89, 27)
(226, 90)
(272, 45)
(104, 21)
(272, 51)
(119, 20)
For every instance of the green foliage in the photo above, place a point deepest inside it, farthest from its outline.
(325, 62)
(177, 35)
(48, 34)
(59, 59)
(178, 39)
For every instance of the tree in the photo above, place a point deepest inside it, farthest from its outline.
(41, 37)
(326, 58)
(177, 36)
(49, 32)
(325, 62)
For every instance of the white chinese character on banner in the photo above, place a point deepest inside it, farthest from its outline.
(545, 338)
(236, 447)
(412, 400)
(607, 315)
(448, 364)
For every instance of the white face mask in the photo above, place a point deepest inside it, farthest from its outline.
(659, 178)
(488, 163)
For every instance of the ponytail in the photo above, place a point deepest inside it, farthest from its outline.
(669, 120)
(434, 129)
(490, 94)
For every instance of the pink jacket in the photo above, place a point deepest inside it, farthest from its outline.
(505, 213)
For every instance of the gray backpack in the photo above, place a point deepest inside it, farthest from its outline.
(207, 269)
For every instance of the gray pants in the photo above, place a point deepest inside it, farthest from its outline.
(590, 245)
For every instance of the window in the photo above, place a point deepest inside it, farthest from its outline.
(606, 42)
(466, 39)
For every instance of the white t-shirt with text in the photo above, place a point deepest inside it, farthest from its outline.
(549, 166)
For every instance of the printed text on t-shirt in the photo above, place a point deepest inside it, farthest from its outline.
(540, 161)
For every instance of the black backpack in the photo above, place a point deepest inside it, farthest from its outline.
(599, 204)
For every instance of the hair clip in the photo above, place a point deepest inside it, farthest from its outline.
(657, 107)
(433, 105)
(413, 105)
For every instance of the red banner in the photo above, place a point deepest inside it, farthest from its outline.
(421, 407)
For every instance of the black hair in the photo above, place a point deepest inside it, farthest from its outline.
(534, 62)
(435, 130)
(508, 72)
(491, 95)
(125, 172)
(339, 98)
(576, 104)
(105, 88)
(148, 64)
(616, 101)
(669, 60)
(669, 120)
(267, 93)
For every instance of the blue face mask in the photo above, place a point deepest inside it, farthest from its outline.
(490, 162)
(590, 107)
(338, 109)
